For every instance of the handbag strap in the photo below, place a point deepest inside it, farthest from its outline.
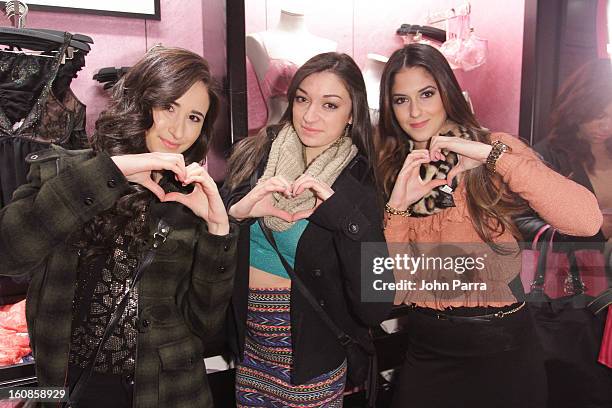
(601, 302)
(534, 244)
(573, 282)
(540, 275)
(342, 337)
(159, 237)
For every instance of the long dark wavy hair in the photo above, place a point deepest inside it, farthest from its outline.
(491, 204)
(583, 97)
(248, 153)
(161, 77)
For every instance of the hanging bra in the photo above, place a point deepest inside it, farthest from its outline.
(63, 122)
(463, 49)
(22, 78)
(25, 83)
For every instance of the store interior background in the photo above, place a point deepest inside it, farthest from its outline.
(504, 91)
(358, 26)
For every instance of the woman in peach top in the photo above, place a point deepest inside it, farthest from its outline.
(452, 188)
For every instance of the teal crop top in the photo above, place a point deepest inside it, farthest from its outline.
(264, 257)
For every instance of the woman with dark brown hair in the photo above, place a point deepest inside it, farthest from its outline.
(579, 145)
(128, 245)
(307, 182)
(452, 188)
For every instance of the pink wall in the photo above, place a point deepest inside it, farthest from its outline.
(364, 26)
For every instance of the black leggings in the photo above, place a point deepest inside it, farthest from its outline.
(450, 363)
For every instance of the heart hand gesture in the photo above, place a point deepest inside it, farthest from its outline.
(204, 200)
(138, 168)
(259, 202)
(409, 187)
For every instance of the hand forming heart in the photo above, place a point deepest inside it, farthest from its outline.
(259, 202)
(204, 200)
(138, 168)
(471, 153)
(409, 187)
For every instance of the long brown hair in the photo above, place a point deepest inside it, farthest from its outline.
(161, 77)
(248, 153)
(582, 98)
(491, 204)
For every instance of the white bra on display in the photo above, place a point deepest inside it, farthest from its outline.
(462, 48)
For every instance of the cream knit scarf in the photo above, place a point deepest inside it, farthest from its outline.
(287, 159)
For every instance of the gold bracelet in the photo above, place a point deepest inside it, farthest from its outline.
(395, 211)
(497, 150)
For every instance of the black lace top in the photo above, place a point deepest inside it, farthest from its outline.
(36, 110)
(98, 292)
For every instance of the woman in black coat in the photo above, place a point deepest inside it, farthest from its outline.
(310, 179)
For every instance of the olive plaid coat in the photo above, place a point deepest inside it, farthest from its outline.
(183, 294)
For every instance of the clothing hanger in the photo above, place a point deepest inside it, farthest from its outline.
(78, 37)
(426, 31)
(110, 75)
(37, 40)
(449, 14)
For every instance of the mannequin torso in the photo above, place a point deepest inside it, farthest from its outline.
(276, 54)
(372, 72)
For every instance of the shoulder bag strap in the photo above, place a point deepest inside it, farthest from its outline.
(342, 337)
(601, 302)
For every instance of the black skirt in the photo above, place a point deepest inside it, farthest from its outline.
(494, 362)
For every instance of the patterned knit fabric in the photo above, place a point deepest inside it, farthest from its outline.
(263, 377)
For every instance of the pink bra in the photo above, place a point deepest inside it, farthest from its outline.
(277, 79)
(274, 84)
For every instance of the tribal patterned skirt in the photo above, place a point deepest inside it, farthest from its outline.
(263, 377)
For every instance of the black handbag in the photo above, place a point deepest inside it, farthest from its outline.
(570, 330)
(361, 360)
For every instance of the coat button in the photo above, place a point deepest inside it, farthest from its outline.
(221, 269)
(88, 201)
(226, 247)
(353, 228)
(321, 302)
(111, 183)
(146, 323)
(317, 273)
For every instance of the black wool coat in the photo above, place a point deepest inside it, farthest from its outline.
(328, 261)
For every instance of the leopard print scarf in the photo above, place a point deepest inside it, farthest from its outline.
(440, 197)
